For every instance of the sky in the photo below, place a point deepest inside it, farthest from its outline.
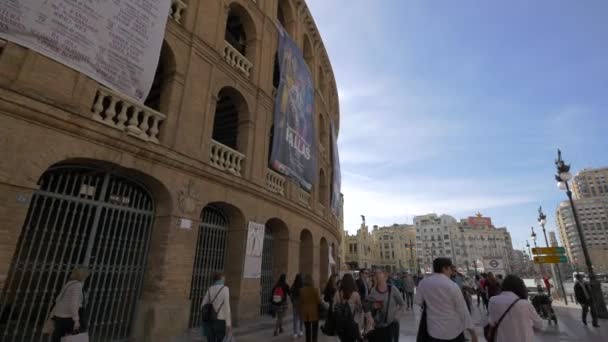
(457, 107)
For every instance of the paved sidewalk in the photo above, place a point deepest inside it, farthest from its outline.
(569, 329)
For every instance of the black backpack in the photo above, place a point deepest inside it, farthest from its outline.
(345, 324)
(208, 313)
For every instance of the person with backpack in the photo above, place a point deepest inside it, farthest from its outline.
(216, 310)
(294, 292)
(278, 300)
(511, 317)
(385, 304)
(347, 311)
(328, 297)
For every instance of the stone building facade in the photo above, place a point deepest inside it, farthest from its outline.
(360, 249)
(155, 197)
(467, 242)
(397, 247)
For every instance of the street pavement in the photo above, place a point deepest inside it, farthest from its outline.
(569, 328)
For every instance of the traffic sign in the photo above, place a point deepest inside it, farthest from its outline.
(548, 250)
(550, 259)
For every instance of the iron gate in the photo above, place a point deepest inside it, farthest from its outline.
(79, 216)
(266, 281)
(208, 260)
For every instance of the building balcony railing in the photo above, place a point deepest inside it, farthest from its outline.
(275, 182)
(177, 10)
(226, 159)
(303, 197)
(118, 112)
(234, 58)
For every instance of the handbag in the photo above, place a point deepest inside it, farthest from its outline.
(323, 309)
(489, 331)
(423, 331)
(80, 337)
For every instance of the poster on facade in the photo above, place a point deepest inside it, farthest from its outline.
(253, 250)
(116, 43)
(294, 144)
(336, 176)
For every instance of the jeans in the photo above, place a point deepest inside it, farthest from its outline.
(586, 309)
(63, 326)
(279, 310)
(215, 330)
(298, 325)
(394, 328)
(312, 331)
(409, 297)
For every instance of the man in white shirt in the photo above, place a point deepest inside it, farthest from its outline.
(447, 316)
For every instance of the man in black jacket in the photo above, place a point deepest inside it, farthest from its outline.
(363, 283)
(582, 292)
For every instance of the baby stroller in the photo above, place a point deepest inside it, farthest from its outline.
(542, 304)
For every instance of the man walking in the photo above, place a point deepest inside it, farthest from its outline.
(384, 303)
(447, 316)
(408, 286)
(582, 292)
(363, 283)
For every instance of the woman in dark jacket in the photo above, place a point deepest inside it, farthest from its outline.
(278, 298)
(330, 289)
(298, 324)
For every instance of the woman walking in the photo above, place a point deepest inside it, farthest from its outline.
(280, 291)
(309, 308)
(512, 315)
(298, 325)
(348, 310)
(217, 298)
(330, 289)
(69, 306)
(492, 285)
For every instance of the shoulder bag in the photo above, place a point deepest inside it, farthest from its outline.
(489, 331)
(423, 330)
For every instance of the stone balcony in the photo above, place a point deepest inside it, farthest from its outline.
(177, 10)
(275, 182)
(303, 197)
(226, 159)
(234, 58)
(119, 112)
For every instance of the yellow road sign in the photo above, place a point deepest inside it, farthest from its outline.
(550, 259)
(548, 250)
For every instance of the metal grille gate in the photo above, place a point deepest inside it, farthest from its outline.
(209, 258)
(267, 280)
(79, 216)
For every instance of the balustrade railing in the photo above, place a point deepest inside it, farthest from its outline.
(236, 59)
(225, 158)
(123, 114)
(177, 10)
(275, 182)
(303, 197)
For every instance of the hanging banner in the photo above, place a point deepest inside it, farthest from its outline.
(336, 186)
(117, 43)
(293, 147)
(253, 252)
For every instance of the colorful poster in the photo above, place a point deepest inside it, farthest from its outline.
(115, 42)
(336, 186)
(294, 144)
(253, 250)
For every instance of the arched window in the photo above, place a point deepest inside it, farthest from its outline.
(229, 108)
(285, 16)
(164, 70)
(308, 54)
(235, 33)
(323, 136)
(322, 188)
(321, 81)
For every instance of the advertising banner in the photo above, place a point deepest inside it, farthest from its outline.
(253, 251)
(115, 42)
(336, 177)
(294, 144)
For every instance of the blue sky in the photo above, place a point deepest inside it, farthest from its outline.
(459, 106)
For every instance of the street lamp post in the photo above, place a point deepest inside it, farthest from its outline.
(533, 237)
(542, 220)
(562, 177)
